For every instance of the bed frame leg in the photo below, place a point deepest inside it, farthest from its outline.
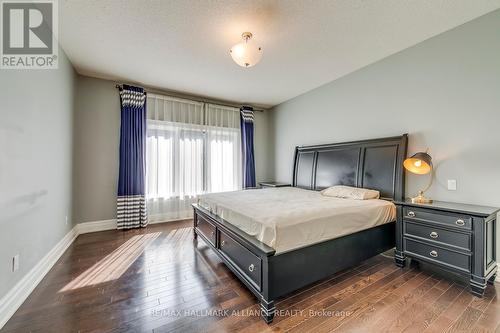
(267, 309)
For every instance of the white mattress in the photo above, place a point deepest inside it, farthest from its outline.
(289, 218)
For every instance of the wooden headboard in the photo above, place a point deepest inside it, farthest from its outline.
(374, 164)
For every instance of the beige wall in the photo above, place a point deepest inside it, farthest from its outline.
(97, 131)
(263, 147)
(444, 92)
(36, 130)
(96, 150)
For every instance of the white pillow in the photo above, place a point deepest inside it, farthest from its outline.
(348, 192)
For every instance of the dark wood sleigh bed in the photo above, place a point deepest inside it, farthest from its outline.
(375, 164)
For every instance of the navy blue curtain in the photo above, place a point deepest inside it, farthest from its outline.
(131, 201)
(246, 123)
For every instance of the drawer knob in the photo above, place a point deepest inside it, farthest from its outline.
(433, 253)
(251, 268)
(460, 222)
(434, 234)
(222, 243)
(411, 214)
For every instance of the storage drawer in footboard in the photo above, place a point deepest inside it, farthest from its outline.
(206, 228)
(244, 261)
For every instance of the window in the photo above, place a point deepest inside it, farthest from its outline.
(174, 160)
(192, 148)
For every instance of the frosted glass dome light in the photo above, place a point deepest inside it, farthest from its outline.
(246, 53)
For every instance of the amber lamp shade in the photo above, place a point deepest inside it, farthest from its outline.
(420, 164)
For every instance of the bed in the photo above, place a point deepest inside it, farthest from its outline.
(288, 218)
(279, 240)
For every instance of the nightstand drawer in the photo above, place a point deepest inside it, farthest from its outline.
(437, 218)
(452, 238)
(438, 255)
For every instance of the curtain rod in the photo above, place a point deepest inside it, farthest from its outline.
(119, 86)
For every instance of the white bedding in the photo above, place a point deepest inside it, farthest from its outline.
(288, 218)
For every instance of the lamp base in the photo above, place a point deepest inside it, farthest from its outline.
(420, 198)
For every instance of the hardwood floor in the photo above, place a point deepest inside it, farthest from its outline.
(158, 280)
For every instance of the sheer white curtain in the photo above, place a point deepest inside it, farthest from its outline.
(224, 170)
(192, 148)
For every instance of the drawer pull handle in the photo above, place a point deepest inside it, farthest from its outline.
(222, 243)
(411, 214)
(433, 254)
(434, 234)
(460, 222)
(251, 268)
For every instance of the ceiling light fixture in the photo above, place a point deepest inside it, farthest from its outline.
(246, 53)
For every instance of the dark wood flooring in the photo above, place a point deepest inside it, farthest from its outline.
(156, 280)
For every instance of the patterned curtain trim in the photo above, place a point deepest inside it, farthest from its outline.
(247, 115)
(132, 98)
(131, 211)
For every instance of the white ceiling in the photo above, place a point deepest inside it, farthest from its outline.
(183, 45)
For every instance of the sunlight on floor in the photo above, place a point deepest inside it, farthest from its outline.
(114, 264)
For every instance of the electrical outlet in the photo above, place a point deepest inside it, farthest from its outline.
(452, 184)
(15, 263)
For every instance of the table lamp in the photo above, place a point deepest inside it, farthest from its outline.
(420, 164)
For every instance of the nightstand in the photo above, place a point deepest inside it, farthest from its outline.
(457, 237)
(273, 184)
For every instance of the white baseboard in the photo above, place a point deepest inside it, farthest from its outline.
(95, 226)
(18, 294)
(171, 220)
(88, 227)
(178, 216)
